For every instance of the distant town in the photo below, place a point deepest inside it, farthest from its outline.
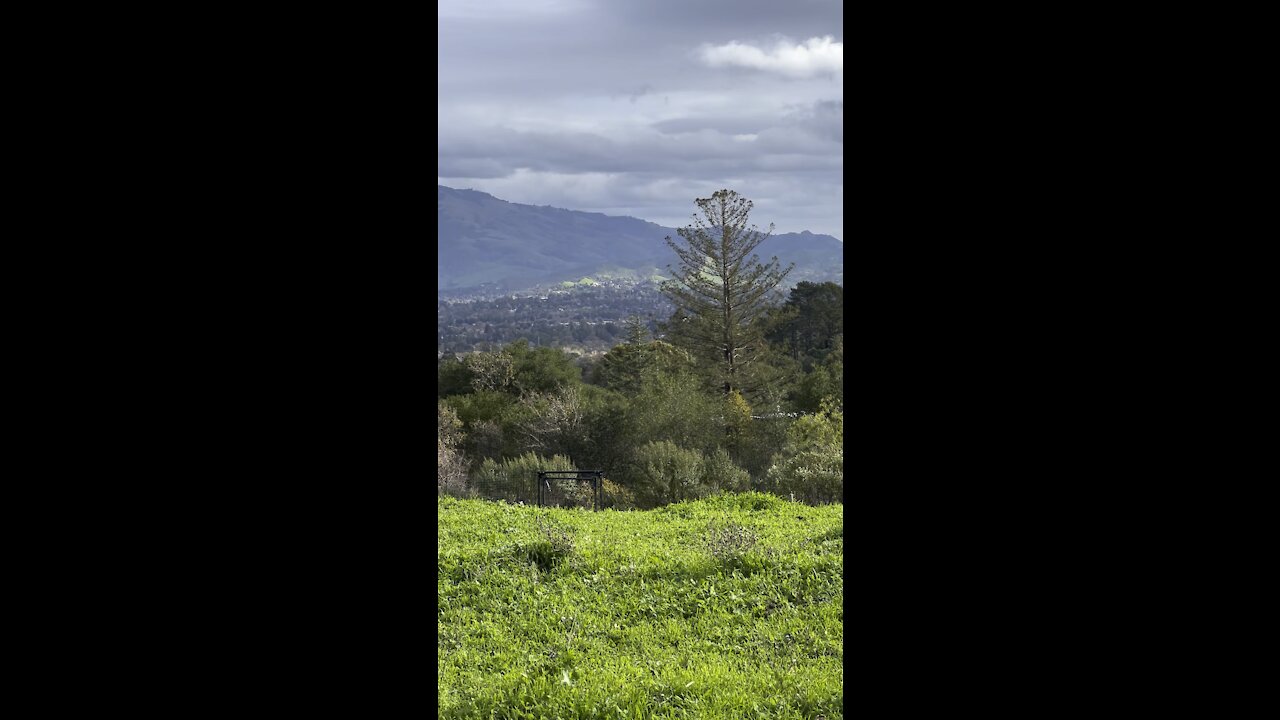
(585, 316)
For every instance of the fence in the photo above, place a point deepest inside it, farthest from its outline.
(547, 488)
(569, 488)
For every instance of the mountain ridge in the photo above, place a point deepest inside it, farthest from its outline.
(487, 241)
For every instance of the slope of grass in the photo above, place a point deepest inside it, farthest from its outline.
(725, 608)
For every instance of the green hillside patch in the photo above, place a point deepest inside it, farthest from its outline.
(729, 607)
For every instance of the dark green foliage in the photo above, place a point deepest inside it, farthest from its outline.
(761, 441)
(810, 467)
(663, 472)
(515, 369)
(486, 418)
(720, 474)
(625, 368)
(769, 381)
(605, 439)
(810, 321)
(657, 422)
(816, 386)
(678, 409)
(541, 369)
(514, 479)
(637, 331)
(453, 377)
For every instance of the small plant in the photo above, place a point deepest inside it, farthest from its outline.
(730, 542)
(558, 535)
(556, 544)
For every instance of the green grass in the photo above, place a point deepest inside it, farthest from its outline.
(725, 608)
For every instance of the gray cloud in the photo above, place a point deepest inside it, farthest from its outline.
(612, 107)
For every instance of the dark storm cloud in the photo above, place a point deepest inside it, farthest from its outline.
(638, 108)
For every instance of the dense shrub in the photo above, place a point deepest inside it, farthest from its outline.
(810, 467)
(485, 415)
(514, 479)
(616, 496)
(665, 473)
(658, 427)
(810, 475)
(552, 422)
(719, 473)
(763, 439)
(676, 409)
(541, 369)
(625, 368)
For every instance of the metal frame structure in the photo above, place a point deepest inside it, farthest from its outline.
(594, 476)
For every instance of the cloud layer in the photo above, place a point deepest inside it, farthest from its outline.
(639, 108)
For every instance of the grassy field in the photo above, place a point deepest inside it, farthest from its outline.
(726, 608)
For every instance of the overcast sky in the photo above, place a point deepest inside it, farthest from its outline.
(636, 107)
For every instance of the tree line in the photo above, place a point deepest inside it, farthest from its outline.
(744, 390)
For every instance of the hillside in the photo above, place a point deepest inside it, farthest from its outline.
(484, 240)
(724, 608)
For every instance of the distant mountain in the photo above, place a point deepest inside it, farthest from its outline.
(487, 241)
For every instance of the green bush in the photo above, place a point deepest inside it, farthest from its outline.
(667, 473)
(810, 467)
(676, 409)
(487, 417)
(616, 496)
(762, 439)
(719, 473)
(514, 479)
(814, 475)
(626, 367)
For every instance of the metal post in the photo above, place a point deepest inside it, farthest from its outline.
(539, 481)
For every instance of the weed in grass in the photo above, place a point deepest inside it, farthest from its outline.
(731, 542)
(556, 545)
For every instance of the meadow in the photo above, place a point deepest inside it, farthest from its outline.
(724, 608)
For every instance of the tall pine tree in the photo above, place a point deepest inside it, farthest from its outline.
(720, 287)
